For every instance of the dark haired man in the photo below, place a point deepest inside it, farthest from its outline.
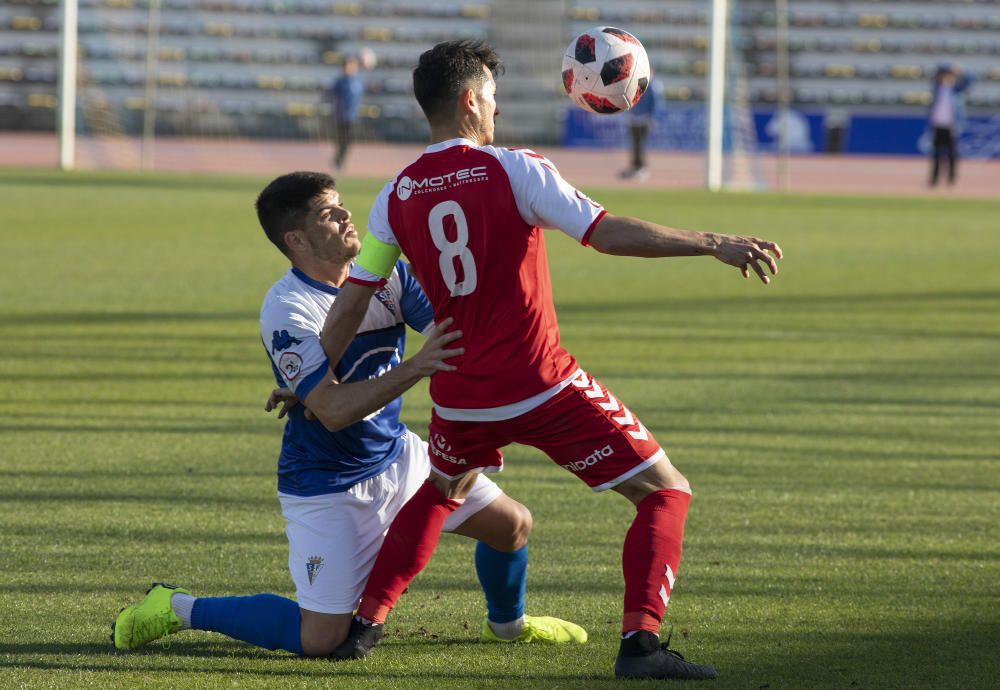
(468, 216)
(347, 463)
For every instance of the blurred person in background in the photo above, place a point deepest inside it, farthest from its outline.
(640, 122)
(947, 112)
(345, 93)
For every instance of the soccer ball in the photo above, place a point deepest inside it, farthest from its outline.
(605, 70)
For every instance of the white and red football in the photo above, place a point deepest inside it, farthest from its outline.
(605, 70)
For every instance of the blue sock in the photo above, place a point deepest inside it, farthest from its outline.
(265, 620)
(504, 578)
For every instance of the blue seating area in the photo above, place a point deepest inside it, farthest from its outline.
(259, 67)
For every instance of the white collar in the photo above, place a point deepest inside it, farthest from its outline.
(442, 145)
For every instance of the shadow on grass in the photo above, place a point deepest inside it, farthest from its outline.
(115, 317)
(872, 378)
(110, 356)
(138, 428)
(78, 535)
(103, 658)
(959, 654)
(187, 649)
(116, 401)
(660, 303)
(740, 432)
(106, 181)
(54, 648)
(801, 554)
(130, 593)
(103, 376)
(954, 654)
(908, 403)
(807, 452)
(135, 338)
(568, 309)
(151, 498)
(174, 471)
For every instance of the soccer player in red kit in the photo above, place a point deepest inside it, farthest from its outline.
(468, 216)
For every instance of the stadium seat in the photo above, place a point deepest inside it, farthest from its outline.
(872, 53)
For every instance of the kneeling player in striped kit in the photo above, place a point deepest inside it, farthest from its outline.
(347, 463)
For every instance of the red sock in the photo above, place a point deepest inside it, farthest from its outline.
(407, 548)
(651, 556)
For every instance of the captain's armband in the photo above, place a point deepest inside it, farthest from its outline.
(377, 257)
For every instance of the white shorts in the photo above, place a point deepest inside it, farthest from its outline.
(333, 539)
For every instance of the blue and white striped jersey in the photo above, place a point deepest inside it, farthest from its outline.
(313, 460)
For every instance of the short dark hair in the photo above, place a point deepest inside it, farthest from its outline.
(284, 203)
(445, 71)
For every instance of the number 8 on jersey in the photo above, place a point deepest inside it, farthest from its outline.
(459, 249)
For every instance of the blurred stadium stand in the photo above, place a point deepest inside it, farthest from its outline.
(259, 67)
(868, 54)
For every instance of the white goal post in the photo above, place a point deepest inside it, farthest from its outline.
(67, 85)
(716, 93)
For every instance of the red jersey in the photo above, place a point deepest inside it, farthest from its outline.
(469, 220)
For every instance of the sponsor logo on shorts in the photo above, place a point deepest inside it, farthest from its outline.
(313, 566)
(440, 447)
(407, 186)
(441, 442)
(591, 460)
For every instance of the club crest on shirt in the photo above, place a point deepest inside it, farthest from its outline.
(290, 364)
(313, 566)
(281, 340)
(386, 298)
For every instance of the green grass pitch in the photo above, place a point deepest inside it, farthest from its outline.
(840, 429)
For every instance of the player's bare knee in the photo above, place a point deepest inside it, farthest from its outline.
(674, 480)
(522, 525)
(461, 486)
(456, 488)
(659, 476)
(513, 535)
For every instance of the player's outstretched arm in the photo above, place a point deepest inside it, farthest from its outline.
(337, 405)
(627, 236)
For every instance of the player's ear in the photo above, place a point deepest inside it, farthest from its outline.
(467, 101)
(295, 239)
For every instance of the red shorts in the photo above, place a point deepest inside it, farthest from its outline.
(583, 428)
